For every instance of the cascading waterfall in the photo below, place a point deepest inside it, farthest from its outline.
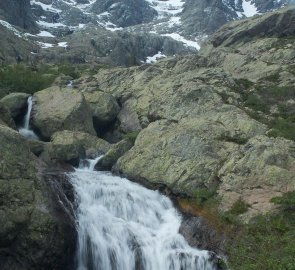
(124, 226)
(25, 129)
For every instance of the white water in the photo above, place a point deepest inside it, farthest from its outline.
(124, 226)
(25, 130)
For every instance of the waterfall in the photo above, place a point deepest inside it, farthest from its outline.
(25, 129)
(124, 226)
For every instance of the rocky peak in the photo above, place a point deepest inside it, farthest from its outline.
(17, 13)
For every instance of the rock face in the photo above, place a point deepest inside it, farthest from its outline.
(204, 128)
(126, 12)
(17, 13)
(32, 236)
(14, 49)
(113, 48)
(16, 103)
(59, 109)
(205, 17)
(280, 24)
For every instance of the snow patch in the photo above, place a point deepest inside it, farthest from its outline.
(163, 8)
(50, 25)
(109, 26)
(249, 8)
(45, 34)
(187, 43)
(62, 44)
(45, 45)
(154, 58)
(46, 7)
(10, 27)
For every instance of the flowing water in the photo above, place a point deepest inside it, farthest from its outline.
(124, 226)
(25, 129)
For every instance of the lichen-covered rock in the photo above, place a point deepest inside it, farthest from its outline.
(57, 109)
(32, 237)
(262, 169)
(16, 103)
(187, 155)
(111, 157)
(104, 107)
(71, 146)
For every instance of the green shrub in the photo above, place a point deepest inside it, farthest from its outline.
(20, 78)
(282, 128)
(68, 70)
(239, 207)
(287, 200)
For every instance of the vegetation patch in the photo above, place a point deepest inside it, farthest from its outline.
(20, 78)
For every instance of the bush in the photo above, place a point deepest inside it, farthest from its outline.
(287, 200)
(20, 78)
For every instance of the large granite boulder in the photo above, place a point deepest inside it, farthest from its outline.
(104, 108)
(57, 109)
(16, 103)
(32, 236)
(186, 156)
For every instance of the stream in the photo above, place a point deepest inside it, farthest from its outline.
(124, 226)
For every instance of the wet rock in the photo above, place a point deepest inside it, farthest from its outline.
(111, 157)
(200, 234)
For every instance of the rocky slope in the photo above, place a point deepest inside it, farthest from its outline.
(199, 115)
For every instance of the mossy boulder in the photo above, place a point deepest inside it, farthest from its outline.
(110, 158)
(16, 103)
(57, 109)
(32, 237)
(71, 146)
